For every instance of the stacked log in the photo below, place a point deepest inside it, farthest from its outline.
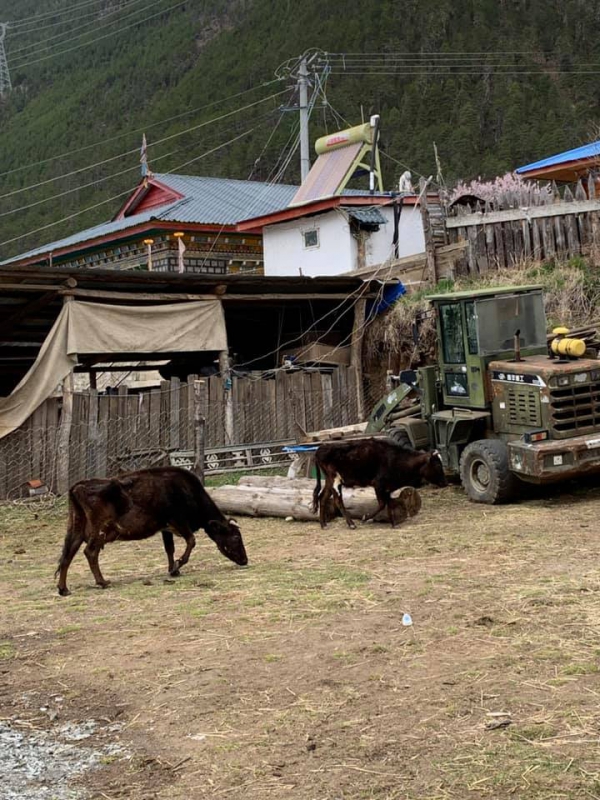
(276, 496)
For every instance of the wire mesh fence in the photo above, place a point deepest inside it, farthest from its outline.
(246, 423)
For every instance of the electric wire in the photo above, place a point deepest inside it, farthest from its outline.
(20, 65)
(36, 45)
(147, 127)
(68, 10)
(136, 149)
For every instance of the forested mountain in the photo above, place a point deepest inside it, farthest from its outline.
(494, 83)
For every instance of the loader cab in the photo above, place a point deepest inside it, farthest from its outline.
(474, 328)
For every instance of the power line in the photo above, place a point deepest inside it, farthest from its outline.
(115, 197)
(136, 149)
(65, 33)
(100, 38)
(139, 130)
(37, 17)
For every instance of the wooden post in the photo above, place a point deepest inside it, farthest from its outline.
(427, 232)
(199, 429)
(64, 436)
(225, 370)
(356, 352)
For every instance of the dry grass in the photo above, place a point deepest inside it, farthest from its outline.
(295, 678)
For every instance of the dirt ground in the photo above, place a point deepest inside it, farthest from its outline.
(295, 678)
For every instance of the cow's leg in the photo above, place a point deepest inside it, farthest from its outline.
(339, 502)
(324, 499)
(70, 549)
(190, 543)
(92, 551)
(170, 551)
(76, 532)
(382, 501)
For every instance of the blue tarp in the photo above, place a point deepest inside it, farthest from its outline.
(391, 294)
(587, 151)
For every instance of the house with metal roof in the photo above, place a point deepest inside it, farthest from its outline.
(567, 167)
(339, 235)
(169, 222)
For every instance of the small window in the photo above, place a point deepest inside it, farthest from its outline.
(457, 384)
(311, 238)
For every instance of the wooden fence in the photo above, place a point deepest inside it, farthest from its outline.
(112, 433)
(527, 226)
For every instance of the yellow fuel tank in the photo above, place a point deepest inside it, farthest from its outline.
(572, 348)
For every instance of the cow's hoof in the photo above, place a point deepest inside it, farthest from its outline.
(104, 585)
(352, 527)
(175, 573)
(64, 592)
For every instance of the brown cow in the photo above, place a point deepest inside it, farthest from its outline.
(136, 506)
(380, 463)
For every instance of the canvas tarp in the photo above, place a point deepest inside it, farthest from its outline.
(93, 328)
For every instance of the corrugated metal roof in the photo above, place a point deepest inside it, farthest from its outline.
(370, 216)
(591, 150)
(209, 201)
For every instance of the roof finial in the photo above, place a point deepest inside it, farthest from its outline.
(144, 160)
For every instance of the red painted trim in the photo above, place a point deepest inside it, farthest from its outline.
(127, 233)
(256, 224)
(142, 191)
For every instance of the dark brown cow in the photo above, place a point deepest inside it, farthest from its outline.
(380, 463)
(136, 506)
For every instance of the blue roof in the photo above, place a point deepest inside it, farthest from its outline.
(586, 151)
(209, 201)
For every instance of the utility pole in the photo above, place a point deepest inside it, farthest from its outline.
(5, 84)
(304, 139)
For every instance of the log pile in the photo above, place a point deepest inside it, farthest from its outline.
(276, 496)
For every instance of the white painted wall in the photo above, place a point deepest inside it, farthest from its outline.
(337, 251)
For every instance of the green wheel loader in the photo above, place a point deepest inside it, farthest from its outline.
(502, 405)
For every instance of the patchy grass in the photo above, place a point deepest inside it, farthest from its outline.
(294, 678)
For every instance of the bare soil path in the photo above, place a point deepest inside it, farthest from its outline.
(295, 678)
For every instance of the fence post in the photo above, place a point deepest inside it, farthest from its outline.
(356, 352)
(199, 429)
(64, 436)
(225, 370)
(427, 232)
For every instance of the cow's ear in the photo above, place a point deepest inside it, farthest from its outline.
(436, 453)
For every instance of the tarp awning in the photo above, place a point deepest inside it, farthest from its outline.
(92, 328)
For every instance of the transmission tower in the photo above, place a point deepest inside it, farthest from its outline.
(5, 85)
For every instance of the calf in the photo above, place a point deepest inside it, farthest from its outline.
(136, 506)
(380, 463)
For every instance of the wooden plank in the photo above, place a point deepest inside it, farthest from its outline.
(174, 414)
(535, 212)
(500, 252)
(327, 401)
(490, 247)
(165, 414)
(560, 235)
(93, 434)
(356, 348)
(526, 236)
(153, 442)
(574, 245)
(62, 455)
(536, 239)
(155, 297)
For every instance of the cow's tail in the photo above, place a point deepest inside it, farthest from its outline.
(75, 525)
(317, 490)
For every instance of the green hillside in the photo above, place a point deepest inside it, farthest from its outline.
(494, 83)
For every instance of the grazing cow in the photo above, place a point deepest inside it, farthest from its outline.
(136, 506)
(380, 463)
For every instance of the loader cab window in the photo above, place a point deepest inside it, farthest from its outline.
(452, 333)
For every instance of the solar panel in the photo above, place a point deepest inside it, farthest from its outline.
(327, 174)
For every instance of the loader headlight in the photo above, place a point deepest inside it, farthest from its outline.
(534, 436)
(581, 377)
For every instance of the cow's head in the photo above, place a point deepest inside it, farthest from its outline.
(226, 535)
(433, 470)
